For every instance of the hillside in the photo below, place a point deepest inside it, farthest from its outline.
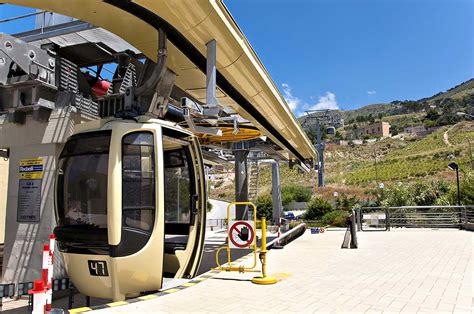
(458, 98)
(407, 160)
(457, 92)
(351, 170)
(375, 110)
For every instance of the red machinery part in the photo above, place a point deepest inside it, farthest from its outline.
(101, 87)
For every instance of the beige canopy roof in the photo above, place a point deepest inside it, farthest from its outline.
(244, 84)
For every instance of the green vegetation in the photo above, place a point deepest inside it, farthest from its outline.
(427, 157)
(413, 170)
(317, 207)
(336, 218)
(264, 206)
(295, 193)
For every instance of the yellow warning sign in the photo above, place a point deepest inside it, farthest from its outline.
(32, 168)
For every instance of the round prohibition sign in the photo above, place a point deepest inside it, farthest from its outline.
(235, 227)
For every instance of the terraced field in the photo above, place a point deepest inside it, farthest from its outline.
(352, 169)
(425, 158)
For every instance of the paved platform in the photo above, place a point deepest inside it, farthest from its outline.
(398, 271)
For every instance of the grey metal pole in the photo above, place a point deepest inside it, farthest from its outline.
(457, 182)
(387, 218)
(276, 193)
(241, 183)
(211, 99)
(320, 149)
(354, 244)
(359, 219)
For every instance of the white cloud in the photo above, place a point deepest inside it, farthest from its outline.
(371, 92)
(328, 101)
(293, 101)
(297, 105)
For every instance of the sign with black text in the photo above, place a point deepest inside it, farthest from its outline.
(29, 200)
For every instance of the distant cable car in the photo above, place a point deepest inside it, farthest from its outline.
(330, 130)
(130, 206)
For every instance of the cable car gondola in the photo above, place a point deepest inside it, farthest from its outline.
(130, 206)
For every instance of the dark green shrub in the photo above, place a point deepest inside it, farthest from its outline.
(295, 193)
(336, 218)
(466, 188)
(346, 203)
(317, 207)
(264, 206)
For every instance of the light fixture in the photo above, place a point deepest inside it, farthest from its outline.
(5, 153)
(453, 166)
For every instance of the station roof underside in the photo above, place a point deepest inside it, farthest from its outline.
(243, 83)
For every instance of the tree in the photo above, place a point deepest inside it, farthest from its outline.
(466, 191)
(346, 203)
(295, 193)
(264, 206)
(371, 118)
(432, 114)
(317, 207)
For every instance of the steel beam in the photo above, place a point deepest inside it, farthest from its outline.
(241, 183)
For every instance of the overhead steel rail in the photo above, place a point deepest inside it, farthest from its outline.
(243, 83)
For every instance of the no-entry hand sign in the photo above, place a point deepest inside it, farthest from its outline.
(241, 234)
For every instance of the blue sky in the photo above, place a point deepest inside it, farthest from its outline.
(349, 53)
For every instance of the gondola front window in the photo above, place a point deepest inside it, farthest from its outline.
(82, 181)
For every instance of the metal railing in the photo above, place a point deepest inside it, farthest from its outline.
(216, 224)
(10, 290)
(383, 218)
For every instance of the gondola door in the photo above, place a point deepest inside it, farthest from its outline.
(136, 219)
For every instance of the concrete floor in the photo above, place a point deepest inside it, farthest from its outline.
(214, 240)
(404, 270)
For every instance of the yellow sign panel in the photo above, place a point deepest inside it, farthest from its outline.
(32, 168)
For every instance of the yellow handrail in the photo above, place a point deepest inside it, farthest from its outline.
(263, 249)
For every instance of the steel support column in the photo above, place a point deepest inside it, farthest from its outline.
(211, 86)
(276, 192)
(241, 183)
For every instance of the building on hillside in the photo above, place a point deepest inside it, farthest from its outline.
(379, 129)
(418, 130)
(329, 118)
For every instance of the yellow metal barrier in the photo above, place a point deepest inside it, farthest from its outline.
(264, 279)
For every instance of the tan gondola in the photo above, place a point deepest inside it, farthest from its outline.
(130, 205)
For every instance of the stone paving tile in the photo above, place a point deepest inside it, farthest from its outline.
(409, 271)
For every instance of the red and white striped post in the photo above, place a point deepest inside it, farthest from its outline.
(277, 245)
(49, 285)
(44, 270)
(43, 289)
(39, 297)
